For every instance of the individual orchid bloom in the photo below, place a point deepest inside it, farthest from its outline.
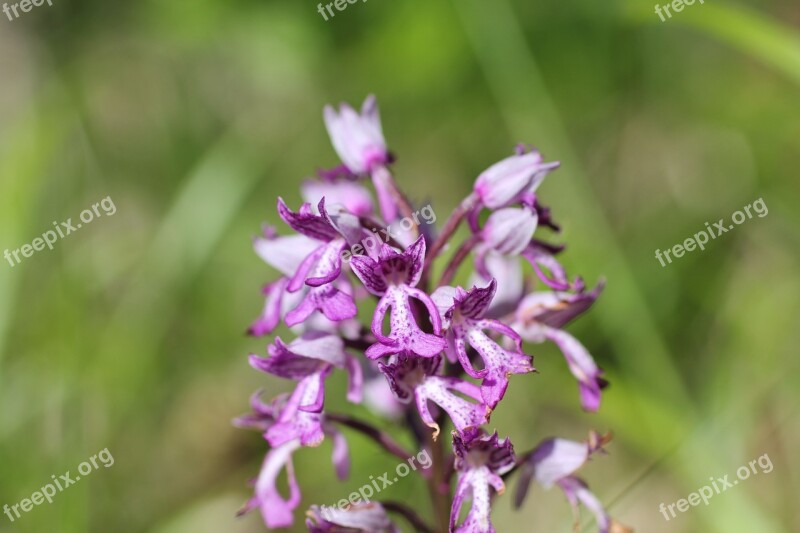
(506, 181)
(540, 316)
(279, 303)
(276, 510)
(418, 378)
(362, 517)
(284, 254)
(320, 268)
(480, 461)
(357, 138)
(393, 277)
(308, 360)
(467, 326)
(554, 462)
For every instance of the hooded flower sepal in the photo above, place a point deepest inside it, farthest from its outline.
(417, 378)
(480, 461)
(539, 317)
(308, 359)
(505, 182)
(393, 277)
(357, 137)
(467, 326)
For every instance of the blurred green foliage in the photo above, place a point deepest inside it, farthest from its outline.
(195, 115)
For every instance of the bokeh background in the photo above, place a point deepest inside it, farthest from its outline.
(194, 115)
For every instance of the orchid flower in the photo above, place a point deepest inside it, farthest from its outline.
(276, 510)
(480, 461)
(554, 462)
(309, 360)
(393, 277)
(467, 325)
(420, 379)
(540, 317)
(360, 286)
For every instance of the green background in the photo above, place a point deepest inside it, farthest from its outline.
(194, 115)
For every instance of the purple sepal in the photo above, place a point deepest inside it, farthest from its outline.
(357, 138)
(306, 222)
(504, 182)
(391, 267)
(393, 276)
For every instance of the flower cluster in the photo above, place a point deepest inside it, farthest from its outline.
(435, 352)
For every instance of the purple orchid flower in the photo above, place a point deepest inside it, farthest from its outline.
(357, 138)
(467, 325)
(506, 181)
(449, 351)
(418, 378)
(284, 254)
(393, 277)
(320, 268)
(480, 461)
(276, 510)
(359, 518)
(554, 462)
(308, 360)
(540, 316)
